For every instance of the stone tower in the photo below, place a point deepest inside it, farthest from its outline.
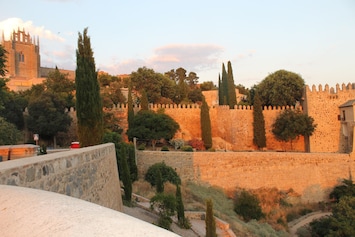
(23, 59)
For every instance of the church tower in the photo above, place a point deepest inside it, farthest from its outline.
(23, 59)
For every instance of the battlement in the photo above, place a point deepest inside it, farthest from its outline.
(331, 90)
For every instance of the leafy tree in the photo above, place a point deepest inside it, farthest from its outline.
(195, 95)
(165, 204)
(168, 174)
(346, 189)
(3, 60)
(206, 132)
(148, 80)
(247, 205)
(291, 124)
(258, 124)
(341, 223)
(281, 88)
(210, 220)
(126, 177)
(207, 86)
(47, 116)
(232, 98)
(58, 83)
(88, 100)
(148, 125)
(9, 134)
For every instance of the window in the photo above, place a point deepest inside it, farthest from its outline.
(21, 57)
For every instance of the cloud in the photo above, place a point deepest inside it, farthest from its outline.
(11, 24)
(192, 57)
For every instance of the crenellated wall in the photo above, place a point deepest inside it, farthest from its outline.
(311, 175)
(322, 104)
(87, 173)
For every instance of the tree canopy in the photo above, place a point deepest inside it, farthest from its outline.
(148, 125)
(291, 124)
(9, 134)
(281, 88)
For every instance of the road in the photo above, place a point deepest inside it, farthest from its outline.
(296, 224)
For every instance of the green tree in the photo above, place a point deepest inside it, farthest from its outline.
(167, 173)
(58, 83)
(148, 125)
(180, 209)
(159, 182)
(291, 124)
(224, 84)
(165, 204)
(130, 116)
(206, 132)
(132, 162)
(281, 88)
(3, 60)
(126, 176)
(47, 116)
(210, 220)
(88, 101)
(346, 189)
(220, 91)
(258, 124)
(232, 98)
(247, 205)
(341, 223)
(144, 101)
(9, 134)
(207, 86)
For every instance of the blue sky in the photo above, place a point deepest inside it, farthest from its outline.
(315, 39)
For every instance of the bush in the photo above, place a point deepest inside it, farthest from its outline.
(187, 148)
(165, 148)
(247, 205)
(141, 147)
(197, 144)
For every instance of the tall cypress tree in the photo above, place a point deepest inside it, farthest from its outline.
(180, 209)
(126, 176)
(220, 90)
(88, 101)
(258, 123)
(225, 85)
(205, 121)
(210, 221)
(130, 115)
(232, 98)
(144, 101)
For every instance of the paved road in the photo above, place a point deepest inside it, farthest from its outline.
(295, 225)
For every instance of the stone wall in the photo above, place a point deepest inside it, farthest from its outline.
(88, 173)
(311, 175)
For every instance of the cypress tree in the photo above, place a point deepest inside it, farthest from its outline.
(159, 182)
(225, 85)
(130, 116)
(205, 124)
(180, 209)
(232, 98)
(144, 101)
(220, 91)
(258, 123)
(88, 101)
(210, 221)
(126, 176)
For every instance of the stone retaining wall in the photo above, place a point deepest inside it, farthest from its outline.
(88, 173)
(311, 175)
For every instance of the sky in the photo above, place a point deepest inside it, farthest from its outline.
(315, 39)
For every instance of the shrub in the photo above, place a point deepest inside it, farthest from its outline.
(197, 144)
(141, 147)
(165, 148)
(247, 205)
(187, 148)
